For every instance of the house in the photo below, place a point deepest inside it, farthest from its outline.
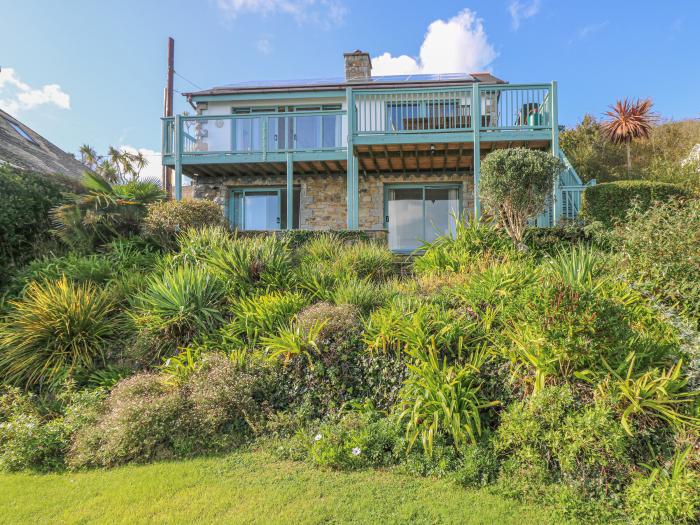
(23, 148)
(395, 155)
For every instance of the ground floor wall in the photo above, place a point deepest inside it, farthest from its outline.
(323, 197)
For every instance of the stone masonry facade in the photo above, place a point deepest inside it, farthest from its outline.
(322, 197)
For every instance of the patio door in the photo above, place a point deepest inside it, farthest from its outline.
(415, 214)
(262, 209)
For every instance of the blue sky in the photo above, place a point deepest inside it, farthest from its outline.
(93, 72)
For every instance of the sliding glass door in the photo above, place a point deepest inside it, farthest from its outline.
(419, 213)
(262, 209)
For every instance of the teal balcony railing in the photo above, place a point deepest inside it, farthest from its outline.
(415, 110)
(258, 133)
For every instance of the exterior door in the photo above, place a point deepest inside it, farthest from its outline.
(416, 214)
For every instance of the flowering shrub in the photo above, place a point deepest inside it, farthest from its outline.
(357, 440)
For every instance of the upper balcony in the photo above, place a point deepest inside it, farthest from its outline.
(436, 115)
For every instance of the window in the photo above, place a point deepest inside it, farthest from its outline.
(418, 213)
(262, 208)
(21, 132)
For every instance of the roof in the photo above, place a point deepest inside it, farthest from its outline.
(271, 86)
(22, 147)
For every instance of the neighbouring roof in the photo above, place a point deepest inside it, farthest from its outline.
(271, 86)
(22, 147)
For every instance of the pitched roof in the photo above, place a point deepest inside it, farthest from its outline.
(425, 80)
(22, 147)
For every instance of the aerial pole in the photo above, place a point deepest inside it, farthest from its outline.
(168, 109)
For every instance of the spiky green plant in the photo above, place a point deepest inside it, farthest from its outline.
(176, 369)
(294, 341)
(653, 395)
(263, 315)
(578, 267)
(442, 399)
(180, 304)
(262, 263)
(362, 293)
(55, 329)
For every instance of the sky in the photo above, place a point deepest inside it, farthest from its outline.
(79, 71)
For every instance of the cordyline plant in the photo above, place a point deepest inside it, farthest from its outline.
(516, 183)
(629, 120)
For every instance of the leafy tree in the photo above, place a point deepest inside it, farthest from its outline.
(516, 182)
(118, 166)
(106, 211)
(629, 120)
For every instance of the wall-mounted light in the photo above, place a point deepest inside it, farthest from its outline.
(432, 149)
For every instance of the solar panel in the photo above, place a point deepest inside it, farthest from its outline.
(385, 79)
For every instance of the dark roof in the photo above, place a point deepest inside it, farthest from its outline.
(271, 86)
(22, 147)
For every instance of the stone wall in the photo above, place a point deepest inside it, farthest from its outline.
(322, 198)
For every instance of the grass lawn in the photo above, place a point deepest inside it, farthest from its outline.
(249, 487)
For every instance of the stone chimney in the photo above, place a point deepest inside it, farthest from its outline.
(358, 65)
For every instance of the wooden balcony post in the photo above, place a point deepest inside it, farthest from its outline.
(476, 127)
(178, 157)
(352, 198)
(556, 205)
(290, 192)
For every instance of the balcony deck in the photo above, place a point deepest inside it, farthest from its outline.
(444, 117)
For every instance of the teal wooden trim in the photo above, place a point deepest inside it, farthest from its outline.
(489, 135)
(290, 192)
(277, 95)
(476, 118)
(423, 186)
(414, 138)
(248, 116)
(236, 158)
(178, 157)
(556, 196)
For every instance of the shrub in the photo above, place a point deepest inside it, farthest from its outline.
(667, 495)
(357, 440)
(549, 241)
(366, 260)
(609, 202)
(657, 253)
(473, 244)
(263, 315)
(258, 263)
(164, 221)
(105, 212)
(24, 215)
(360, 293)
(516, 183)
(35, 441)
(195, 244)
(438, 398)
(477, 466)
(57, 329)
(179, 305)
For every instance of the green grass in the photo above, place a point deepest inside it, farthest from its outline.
(249, 487)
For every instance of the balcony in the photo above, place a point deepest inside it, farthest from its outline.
(447, 117)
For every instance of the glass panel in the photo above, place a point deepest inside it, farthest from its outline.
(308, 132)
(331, 131)
(247, 134)
(261, 210)
(276, 133)
(405, 209)
(207, 135)
(441, 208)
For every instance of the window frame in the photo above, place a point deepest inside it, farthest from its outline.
(233, 213)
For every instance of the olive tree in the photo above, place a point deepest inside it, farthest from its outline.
(515, 183)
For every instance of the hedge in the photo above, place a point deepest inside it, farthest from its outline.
(166, 219)
(27, 198)
(610, 201)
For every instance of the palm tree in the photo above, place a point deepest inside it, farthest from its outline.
(629, 120)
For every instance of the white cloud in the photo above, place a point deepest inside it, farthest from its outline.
(325, 13)
(592, 28)
(520, 11)
(16, 96)
(264, 45)
(458, 45)
(154, 169)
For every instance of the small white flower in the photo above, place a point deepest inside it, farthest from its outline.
(317, 437)
(356, 451)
